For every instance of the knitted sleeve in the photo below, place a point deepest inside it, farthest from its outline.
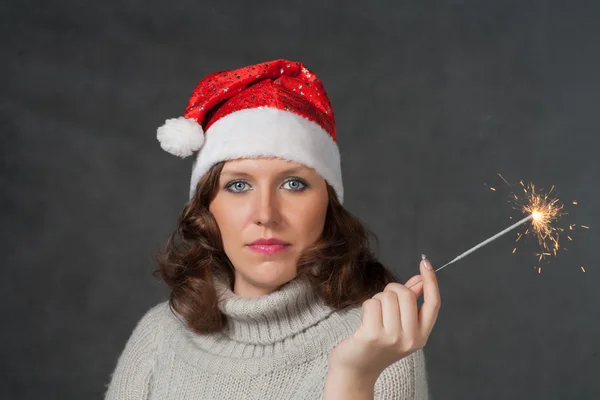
(404, 380)
(132, 377)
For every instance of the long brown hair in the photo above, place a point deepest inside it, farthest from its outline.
(341, 266)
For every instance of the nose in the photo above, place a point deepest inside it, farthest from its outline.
(266, 207)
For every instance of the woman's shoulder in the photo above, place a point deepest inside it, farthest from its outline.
(155, 320)
(137, 360)
(153, 327)
(155, 314)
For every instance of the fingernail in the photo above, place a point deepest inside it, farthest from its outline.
(425, 261)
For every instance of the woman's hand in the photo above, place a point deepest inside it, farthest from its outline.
(392, 327)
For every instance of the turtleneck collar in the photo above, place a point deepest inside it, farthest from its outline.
(273, 317)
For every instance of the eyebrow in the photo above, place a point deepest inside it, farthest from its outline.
(293, 170)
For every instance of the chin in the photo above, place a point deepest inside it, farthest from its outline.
(272, 273)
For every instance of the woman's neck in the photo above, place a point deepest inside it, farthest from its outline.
(272, 317)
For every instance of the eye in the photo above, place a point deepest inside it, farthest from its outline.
(237, 186)
(296, 184)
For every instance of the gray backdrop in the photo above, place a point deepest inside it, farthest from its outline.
(433, 99)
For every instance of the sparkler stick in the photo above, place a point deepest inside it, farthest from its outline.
(491, 239)
(542, 210)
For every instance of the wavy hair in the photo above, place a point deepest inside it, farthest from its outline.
(340, 266)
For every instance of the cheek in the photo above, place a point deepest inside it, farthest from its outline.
(229, 222)
(310, 222)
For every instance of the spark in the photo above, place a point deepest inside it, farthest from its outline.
(545, 210)
(489, 187)
(505, 181)
(585, 226)
(583, 269)
(575, 202)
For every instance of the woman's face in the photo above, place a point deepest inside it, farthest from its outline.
(268, 198)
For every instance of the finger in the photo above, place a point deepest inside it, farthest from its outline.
(413, 280)
(390, 311)
(431, 298)
(409, 315)
(371, 315)
(417, 281)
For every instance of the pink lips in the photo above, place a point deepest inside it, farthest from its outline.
(268, 246)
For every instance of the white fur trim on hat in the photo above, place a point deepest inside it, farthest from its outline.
(270, 132)
(180, 136)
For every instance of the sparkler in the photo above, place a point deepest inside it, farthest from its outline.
(541, 209)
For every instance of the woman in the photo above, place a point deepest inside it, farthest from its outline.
(274, 291)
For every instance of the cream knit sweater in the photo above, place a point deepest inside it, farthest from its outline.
(273, 347)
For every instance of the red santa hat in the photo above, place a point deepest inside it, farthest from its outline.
(273, 109)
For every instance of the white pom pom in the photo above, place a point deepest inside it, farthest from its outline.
(180, 136)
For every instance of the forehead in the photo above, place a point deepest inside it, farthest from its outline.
(264, 165)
